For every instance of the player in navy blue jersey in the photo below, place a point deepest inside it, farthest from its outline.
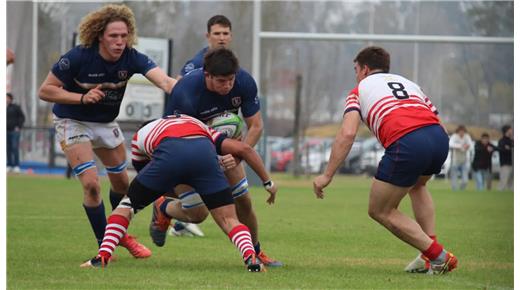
(218, 35)
(87, 85)
(220, 86)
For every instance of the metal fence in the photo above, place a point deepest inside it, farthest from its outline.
(39, 148)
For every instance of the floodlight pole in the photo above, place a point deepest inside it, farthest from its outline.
(257, 26)
(34, 66)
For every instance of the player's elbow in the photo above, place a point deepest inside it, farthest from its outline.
(348, 134)
(43, 93)
(169, 84)
(244, 151)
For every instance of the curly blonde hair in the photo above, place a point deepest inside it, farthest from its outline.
(94, 24)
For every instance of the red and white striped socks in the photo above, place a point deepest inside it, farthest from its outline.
(115, 230)
(241, 237)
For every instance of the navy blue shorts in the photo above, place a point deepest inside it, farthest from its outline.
(420, 152)
(184, 161)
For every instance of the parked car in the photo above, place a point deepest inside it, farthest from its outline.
(351, 165)
(281, 152)
(314, 153)
(371, 154)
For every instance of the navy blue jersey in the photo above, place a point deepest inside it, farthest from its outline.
(191, 97)
(196, 62)
(82, 69)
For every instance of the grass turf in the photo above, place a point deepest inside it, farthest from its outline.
(324, 244)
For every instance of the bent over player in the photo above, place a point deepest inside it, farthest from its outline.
(87, 86)
(181, 149)
(416, 145)
(222, 86)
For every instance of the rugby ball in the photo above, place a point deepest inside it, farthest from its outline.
(228, 123)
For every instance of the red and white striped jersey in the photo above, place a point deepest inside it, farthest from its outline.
(148, 137)
(391, 106)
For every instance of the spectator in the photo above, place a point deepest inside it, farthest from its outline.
(460, 143)
(482, 162)
(505, 146)
(15, 120)
(10, 56)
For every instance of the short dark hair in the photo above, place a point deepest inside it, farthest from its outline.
(220, 62)
(374, 57)
(505, 128)
(484, 135)
(461, 128)
(219, 19)
(10, 95)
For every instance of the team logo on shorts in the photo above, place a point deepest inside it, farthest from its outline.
(116, 132)
(236, 101)
(122, 74)
(64, 64)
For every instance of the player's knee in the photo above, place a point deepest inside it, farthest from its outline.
(199, 215)
(91, 187)
(376, 213)
(417, 188)
(138, 197)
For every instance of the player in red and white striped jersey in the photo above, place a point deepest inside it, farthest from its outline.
(383, 96)
(416, 145)
(180, 149)
(146, 140)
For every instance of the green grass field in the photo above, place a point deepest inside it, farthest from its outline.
(325, 244)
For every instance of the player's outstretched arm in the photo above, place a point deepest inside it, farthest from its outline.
(52, 91)
(340, 149)
(247, 153)
(159, 78)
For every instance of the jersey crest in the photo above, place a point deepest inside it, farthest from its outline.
(64, 64)
(122, 74)
(236, 101)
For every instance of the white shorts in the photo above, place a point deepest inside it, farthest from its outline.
(101, 135)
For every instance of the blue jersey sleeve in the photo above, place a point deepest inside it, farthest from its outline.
(218, 143)
(196, 62)
(251, 103)
(181, 100)
(188, 66)
(142, 63)
(68, 65)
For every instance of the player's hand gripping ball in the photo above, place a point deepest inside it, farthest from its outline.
(228, 123)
